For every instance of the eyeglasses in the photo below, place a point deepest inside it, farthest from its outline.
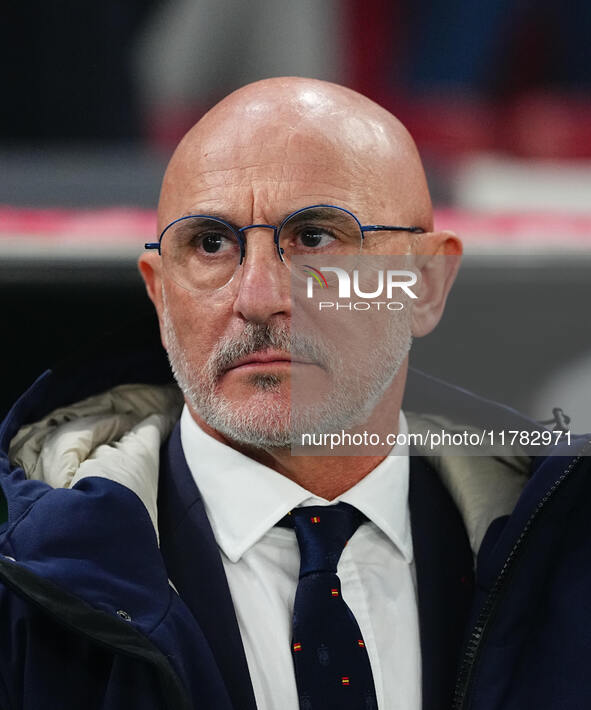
(203, 253)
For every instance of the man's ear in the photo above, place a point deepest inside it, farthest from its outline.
(150, 269)
(438, 257)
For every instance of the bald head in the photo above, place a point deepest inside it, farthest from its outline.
(297, 141)
(262, 154)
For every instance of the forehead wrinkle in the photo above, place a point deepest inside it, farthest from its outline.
(251, 206)
(271, 178)
(253, 195)
(280, 218)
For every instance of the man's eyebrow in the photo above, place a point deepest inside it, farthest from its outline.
(206, 213)
(302, 214)
(327, 212)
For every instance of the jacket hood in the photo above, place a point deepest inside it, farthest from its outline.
(116, 435)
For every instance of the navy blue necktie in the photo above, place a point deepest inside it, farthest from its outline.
(330, 659)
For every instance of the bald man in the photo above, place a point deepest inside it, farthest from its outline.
(163, 546)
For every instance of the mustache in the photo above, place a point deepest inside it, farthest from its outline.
(259, 336)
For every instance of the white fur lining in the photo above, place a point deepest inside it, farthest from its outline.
(115, 435)
(483, 487)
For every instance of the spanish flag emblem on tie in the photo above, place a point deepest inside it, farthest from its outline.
(315, 519)
(297, 647)
(334, 592)
(345, 680)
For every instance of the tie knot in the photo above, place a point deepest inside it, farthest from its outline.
(322, 533)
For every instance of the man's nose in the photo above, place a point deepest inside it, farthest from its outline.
(264, 285)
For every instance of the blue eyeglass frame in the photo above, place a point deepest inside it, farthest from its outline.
(277, 229)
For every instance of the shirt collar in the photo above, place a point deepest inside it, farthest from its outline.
(244, 499)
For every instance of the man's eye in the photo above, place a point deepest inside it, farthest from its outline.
(314, 238)
(213, 243)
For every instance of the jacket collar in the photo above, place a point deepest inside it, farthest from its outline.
(195, 567)
(445, 581)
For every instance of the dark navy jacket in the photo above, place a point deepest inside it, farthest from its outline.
(89, 618)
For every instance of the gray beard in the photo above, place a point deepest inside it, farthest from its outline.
(276, 424)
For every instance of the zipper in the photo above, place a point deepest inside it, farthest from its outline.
(479, 631)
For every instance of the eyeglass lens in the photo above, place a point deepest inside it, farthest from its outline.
(203, 254)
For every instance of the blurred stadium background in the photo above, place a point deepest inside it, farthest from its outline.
(496, 93)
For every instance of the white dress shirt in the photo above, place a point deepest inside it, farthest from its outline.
(245, 499)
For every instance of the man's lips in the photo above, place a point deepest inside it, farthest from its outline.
(267, 358)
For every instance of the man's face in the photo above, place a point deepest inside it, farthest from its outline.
(233, 350)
